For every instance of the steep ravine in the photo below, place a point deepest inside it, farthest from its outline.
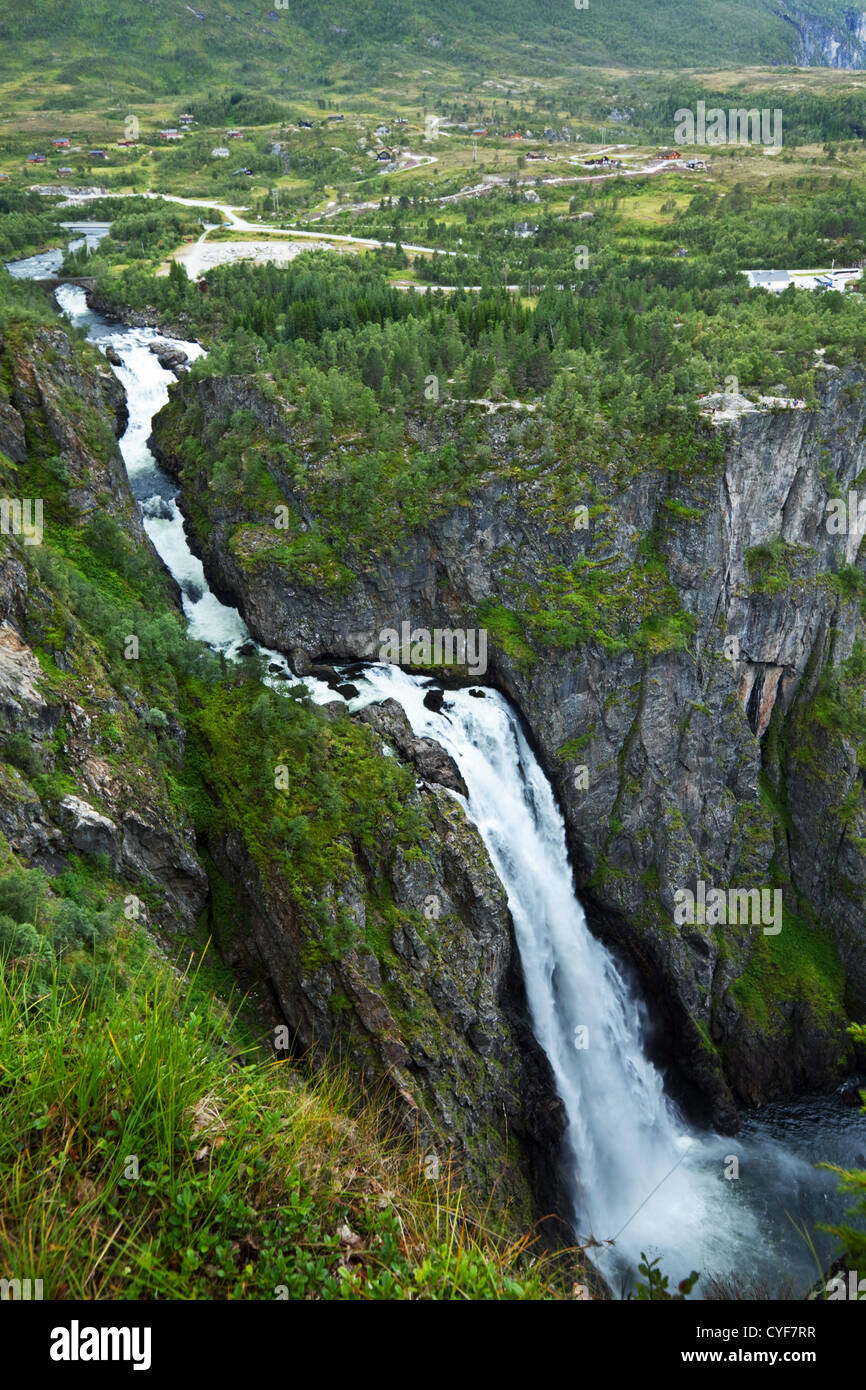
(761, 784)
(405, 962)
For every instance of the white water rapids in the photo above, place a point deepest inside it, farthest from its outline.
(641, 1176)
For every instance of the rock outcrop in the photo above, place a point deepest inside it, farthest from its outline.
(827, 42)
(432, 1000)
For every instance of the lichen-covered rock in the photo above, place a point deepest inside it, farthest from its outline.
(89, 832)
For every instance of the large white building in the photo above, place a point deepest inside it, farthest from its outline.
(778, 280)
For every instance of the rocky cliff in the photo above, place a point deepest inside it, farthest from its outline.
(838, 42)
(685, 651)
(409, 968)
(64, 789)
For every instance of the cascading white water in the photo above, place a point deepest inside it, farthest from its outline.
(641, 1176)
(146, 384)
(637, 1169)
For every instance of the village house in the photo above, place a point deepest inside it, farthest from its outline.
(36, 158)
(170, 134)
(235, 134)
(669, 154)
(336, 118)
(695, 164)
(305, 125)
(186, 119)
(219, 153)
(62, 143)
(65, 170)
(4, 178)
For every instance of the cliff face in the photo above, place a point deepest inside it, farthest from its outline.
(829, 43)
(729, 757)
(413, 974)
(71, 795)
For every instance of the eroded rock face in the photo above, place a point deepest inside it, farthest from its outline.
(21, 704)
(831, 41)
(88, 830)
(710, 759)
(130, 826)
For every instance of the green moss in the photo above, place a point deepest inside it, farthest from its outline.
(507, 630)
(778, 566)
(800, 963)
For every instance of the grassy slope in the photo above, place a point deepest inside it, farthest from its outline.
(149, 1150)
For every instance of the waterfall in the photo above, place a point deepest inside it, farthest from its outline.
(637, 1170)
(640, 1176)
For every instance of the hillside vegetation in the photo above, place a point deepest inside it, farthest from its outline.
(162, 47)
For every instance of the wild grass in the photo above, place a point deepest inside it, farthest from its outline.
(145, 1155)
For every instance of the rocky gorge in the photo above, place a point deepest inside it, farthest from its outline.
(724, 611)
(427, 1004)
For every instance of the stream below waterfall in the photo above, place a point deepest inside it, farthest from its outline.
(641, 1174)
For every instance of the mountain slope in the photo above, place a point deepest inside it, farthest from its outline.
(113, 48)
